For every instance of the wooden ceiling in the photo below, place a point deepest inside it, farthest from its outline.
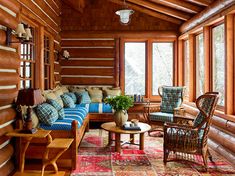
(175, 11)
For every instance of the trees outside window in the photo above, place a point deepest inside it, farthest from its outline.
(162, 65)
(218, 59)
(200, 65)
(135, 57)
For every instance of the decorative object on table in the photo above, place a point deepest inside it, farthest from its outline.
(130, 126)
(120, 105)
(125, 14)
(29, 97)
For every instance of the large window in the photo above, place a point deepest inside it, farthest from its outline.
(218, 52)
(162, 65)
(186, 67)
(27, 64)
(135, 68)
(200, 65)
(47, 74)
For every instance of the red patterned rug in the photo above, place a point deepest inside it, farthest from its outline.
(96, 159)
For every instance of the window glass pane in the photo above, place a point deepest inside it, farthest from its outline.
(28, 71)
(135, 68)
(218, 61)
(200, 64)
(162, 64)
(186, 66)
(27, 83)
(21, 84)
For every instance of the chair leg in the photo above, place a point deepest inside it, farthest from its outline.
(209, 155)
(166, 154)
(204, 157)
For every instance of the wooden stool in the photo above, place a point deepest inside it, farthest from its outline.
(57, 143)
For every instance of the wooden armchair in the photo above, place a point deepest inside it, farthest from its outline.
(172, 98)
(185, 139)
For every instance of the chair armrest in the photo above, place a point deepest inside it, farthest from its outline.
(179, 126)
(179, 119)
(151, 108)
(179, 111)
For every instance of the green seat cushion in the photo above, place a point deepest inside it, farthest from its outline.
(46, 113)
(161, 116)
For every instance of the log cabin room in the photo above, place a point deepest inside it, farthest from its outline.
(117, 87)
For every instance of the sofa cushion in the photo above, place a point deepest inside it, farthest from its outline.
(97, 107)
(72, 95)
(71, 114)
(111, 92)
(55, 97)
(57, 106)
(96, 95)
(85, 97)
(161, 116)
(47, 114)
(68, 101)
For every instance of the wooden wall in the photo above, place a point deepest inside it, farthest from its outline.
(93, 39)
(46, 15)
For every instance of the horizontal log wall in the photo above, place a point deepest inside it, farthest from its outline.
(221, 134)
(92, 61)
(9, 80)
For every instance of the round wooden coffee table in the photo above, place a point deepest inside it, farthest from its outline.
(112, 128)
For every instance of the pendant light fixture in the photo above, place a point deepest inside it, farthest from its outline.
(125, 14)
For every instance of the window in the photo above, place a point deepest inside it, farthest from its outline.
(218, 52)
(47, 75)
(135, 68)
(162, 65)
(186, 67)
(200, 65)
(27, 64)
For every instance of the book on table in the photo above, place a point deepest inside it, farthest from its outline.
(130, 126)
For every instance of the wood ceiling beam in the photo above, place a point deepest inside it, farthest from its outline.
(202, 2)
(149, 12)
(162, 9)
(77, 5)
(181, 5)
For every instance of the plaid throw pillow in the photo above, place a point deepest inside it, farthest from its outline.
(47, 114)
(72, 95)
(85, 97)
(68, 101)
(57, 106)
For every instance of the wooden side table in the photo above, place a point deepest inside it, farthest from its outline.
(28, 138)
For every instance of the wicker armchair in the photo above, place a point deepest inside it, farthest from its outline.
(172, 98)
(186, 140)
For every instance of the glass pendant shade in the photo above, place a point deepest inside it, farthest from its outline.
(125, 15)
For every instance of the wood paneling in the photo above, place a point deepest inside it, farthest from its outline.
(86, 62)
(87, 81)
(88, 71)
(91, 52)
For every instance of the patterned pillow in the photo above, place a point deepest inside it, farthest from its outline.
(85, 97)
(57, 106)
(55, 96)
(112, 92)
(68, 101)
(171, 98)
(72, 95)
(64, 89)
(47, 114)
(78, 97)
(95, 95)
(76, 89)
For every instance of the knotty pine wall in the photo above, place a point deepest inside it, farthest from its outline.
(45, 14)
(93, 39)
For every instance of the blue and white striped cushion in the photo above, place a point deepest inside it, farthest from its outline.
(71, 114)
(97, 107)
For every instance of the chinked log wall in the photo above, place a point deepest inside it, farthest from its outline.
(9, 79)
(94, 61)
(10, 11)
(221, 135)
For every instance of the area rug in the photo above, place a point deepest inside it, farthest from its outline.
(95, 158)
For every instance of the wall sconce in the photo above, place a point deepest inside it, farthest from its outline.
(23, 34)
(65, 55)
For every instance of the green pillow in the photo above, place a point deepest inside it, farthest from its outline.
(57, 106)
(68, 101)
(47, 114)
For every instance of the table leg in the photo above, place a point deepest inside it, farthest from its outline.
(22, 155)
(141, 141)
(110, 138)
(132, 138)
(117, 142)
